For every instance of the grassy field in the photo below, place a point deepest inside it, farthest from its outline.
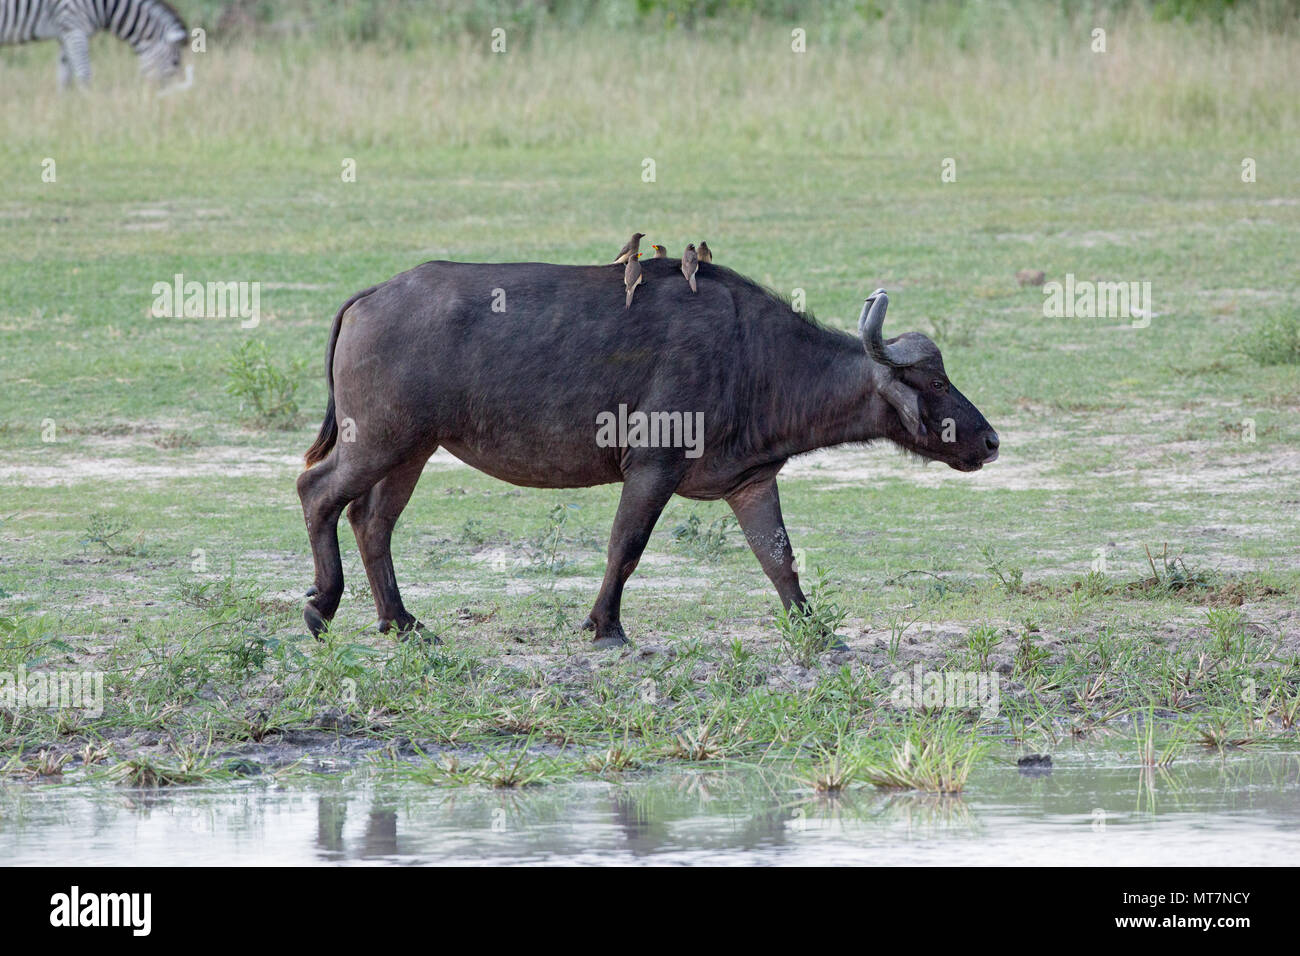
(1129, 566)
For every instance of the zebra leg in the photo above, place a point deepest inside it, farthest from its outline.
(74, 58)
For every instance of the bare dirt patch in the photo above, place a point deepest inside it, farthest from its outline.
(218, 461)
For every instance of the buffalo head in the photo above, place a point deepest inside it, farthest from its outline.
(925, 413)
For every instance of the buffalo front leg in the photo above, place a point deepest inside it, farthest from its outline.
(644, 495)
(758, 510)
(373, 516)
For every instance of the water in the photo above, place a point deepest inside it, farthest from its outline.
(1240, 809)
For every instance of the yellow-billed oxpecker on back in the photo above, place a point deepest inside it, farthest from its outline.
(630, 249)
(631, 278)
(690, 264)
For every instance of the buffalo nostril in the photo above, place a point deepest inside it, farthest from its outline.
(991, 441)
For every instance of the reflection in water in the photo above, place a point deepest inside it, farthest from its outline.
(1235, 808)
(377, 842)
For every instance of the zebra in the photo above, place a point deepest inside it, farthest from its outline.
(155, 31)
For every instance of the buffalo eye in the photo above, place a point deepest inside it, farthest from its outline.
(938, 385)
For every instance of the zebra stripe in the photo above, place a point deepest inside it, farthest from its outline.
(23, 20)
(154, 30)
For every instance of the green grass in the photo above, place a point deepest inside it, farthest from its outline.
(806, 632)
(1275, 341)
(265, 391)
(934, 756)
(1131, 554)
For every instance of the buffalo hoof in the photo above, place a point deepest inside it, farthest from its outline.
(607, 635)
(412, 630)
(316, 623)
(833, 642)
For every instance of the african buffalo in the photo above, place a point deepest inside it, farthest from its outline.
(518, 369)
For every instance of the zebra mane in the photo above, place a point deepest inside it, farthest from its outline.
(172, 11)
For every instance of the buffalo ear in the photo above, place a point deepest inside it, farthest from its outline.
(907, 403)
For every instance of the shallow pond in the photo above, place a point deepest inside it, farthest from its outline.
(1242, 808)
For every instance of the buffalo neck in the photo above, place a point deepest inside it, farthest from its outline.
(817, 394)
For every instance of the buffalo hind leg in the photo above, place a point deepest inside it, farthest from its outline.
(373, 516)
(645, 492)
(758, 510)
(325, 489)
